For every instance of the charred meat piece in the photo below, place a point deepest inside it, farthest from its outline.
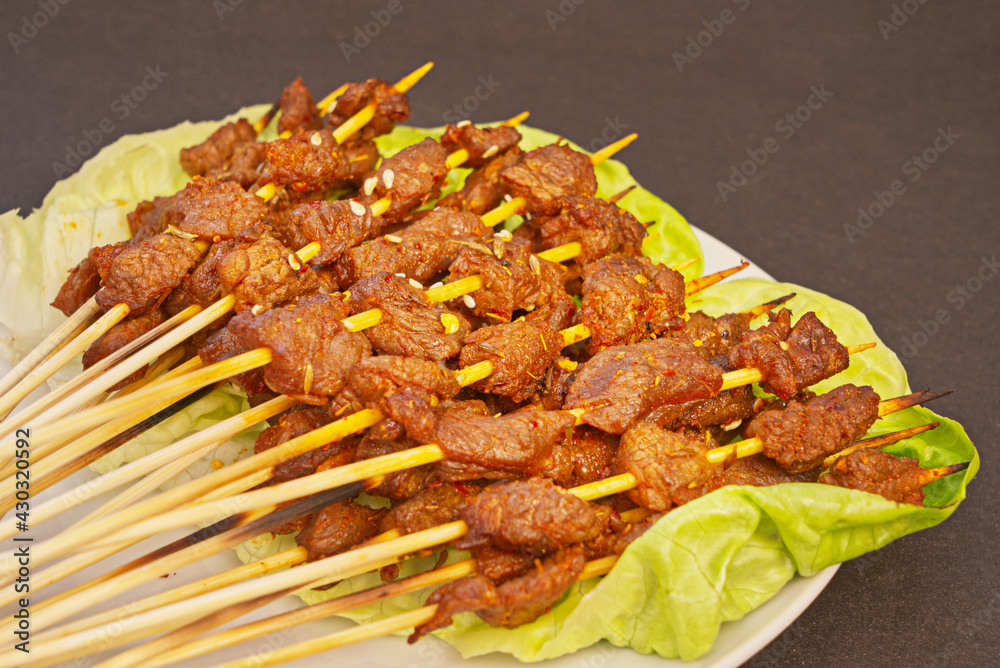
(627, 299)
(725, 410)
(601, 227)
(898, 479)
(411, 178)
(82, 283)
(243, 167)
(313, 353)
(623, 384)
(480, 143)
(714, 337)
(294, 423)
(410, 324)
(298, 109)
(513, 278)
(218, 150)
(511, 604)
(420, 251)
(119, 336)
(802, 434)
(517, 442)
(385, 438)
(147, 218)
(141, 275)
(791, 358)
(264, 274)
(664, 462)
(756, 470)
(362, 157)
(436, 504)
(223, 344)
(393, 106)
(305, 162)
(547, 174)
(519, 352)
(483, 190)
(336, 226)
(404, 388)
(338, 528)
(210, 209)
(531, 515)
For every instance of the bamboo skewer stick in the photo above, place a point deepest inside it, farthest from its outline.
(59, 337)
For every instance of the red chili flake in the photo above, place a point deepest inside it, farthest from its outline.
(435, 483)
(300, 186)
(462, 489)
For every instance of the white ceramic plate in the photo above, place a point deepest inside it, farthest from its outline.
(737, 641)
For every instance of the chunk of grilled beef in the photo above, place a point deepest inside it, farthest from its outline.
(82, 283)
(513, 603)
(305, 162)
(410, 178)
(219, 149)
(203, 286)
(714, 337)
(420, 251)
(791, 358)
(392, 106)
(585, 458)
(624, 384)
(547, 174)
(513, 278)
(264, 273)
(339, 527)
(519, 352)
(294, 423)
(386, 438)
(601, 227)
(336, 226)
(483, 189)
(244, 167)
(213, 209)
(530, 515)
(515, 443)
(664, 463)
(298, 109)
(362, 158)
(627, 299)
(223, 344)
(480, 143)
(898, 479)
(802, 434)
(410, 324)
(312, 352)
(724, 411)
(432, 506)
(142, 274)
(119, 336)
(757, 470)
(501, 565)
(404, 388)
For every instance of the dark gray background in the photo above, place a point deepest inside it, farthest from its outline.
(928, 599)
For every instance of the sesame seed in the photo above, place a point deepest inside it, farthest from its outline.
(257, 308)
(437, 285)
(415, 284)
(504, 234)
(468, 301)
(401, 275)
(534, 264)
(370, 184)
(639, 278)
(316, 139)
(462, 124)
(357, 208)
(783, 345)
(393, 239)
(498, 249)
(388, 176)
(729, 426)
(491, 151)
(293, 262)
(507, 198)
